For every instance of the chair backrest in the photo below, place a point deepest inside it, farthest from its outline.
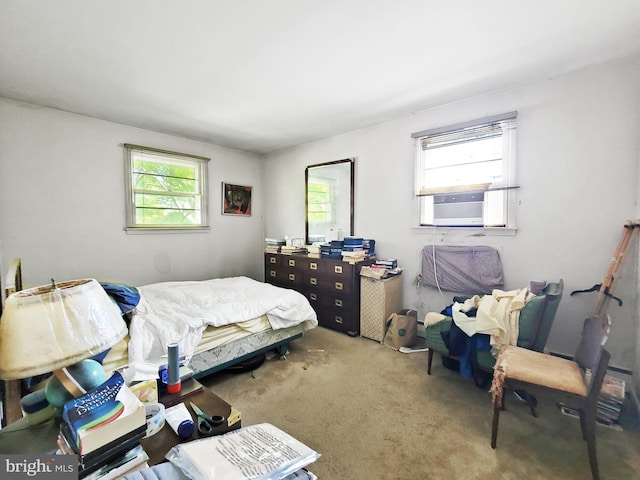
(595, 332)
(552, 296)
(537, 316)
(599, 371)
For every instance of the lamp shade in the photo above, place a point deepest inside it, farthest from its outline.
(54, 326)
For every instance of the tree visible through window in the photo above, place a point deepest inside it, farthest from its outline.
(165, 189)
(320, 201)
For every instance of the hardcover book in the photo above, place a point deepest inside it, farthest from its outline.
(118, 466)
(103, 415)
(92, 460)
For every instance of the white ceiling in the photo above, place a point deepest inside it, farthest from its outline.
(261, 75)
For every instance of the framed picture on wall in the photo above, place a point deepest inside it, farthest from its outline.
(236, 199)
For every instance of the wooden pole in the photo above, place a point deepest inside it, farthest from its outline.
(607, 286)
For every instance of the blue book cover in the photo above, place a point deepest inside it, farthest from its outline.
(100, 408)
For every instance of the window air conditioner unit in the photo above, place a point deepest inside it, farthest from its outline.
(458, 209)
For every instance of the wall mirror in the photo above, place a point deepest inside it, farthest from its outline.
(329, 200)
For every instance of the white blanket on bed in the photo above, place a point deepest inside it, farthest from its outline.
(179, 312)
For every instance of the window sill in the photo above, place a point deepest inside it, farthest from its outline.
(152, 230)
(472, 231)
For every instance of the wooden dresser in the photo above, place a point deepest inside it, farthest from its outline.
(331, 285)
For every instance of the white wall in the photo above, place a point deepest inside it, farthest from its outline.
(62, 197)
(62, 204)
(578, 139)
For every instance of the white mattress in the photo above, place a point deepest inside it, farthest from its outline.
(212, 337)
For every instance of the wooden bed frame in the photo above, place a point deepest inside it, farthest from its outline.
(202, 364)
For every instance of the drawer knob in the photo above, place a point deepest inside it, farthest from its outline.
(313, 266)
(313, 296)
(272, 273)
(337, 269)
(338, 319)
(313, 281)
(338, 302)
(272, 259)
(339, 285)
(292, 262)
(292, 277)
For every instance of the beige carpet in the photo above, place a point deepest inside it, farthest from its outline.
(374, 413)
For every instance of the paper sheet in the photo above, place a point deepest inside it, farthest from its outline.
(256, 452)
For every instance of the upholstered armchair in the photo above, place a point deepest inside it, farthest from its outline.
(475, 357)
(534, 330)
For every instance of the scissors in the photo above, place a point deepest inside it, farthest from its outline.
(206, 423)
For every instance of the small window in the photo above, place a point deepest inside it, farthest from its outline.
(465, 173)
(165, 190)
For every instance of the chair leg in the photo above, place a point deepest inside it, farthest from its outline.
(532, 402)
(583, 424)
(429, 360)
(588, 425)
(593, 459)
(498, 404)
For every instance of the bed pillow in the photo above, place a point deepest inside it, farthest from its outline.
(125, 296)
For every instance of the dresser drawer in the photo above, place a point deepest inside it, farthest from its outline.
(272, 260)
(275, 276)
(328, 300)
(330, 283)
(340, 323)
(339, 269)
(297, 262)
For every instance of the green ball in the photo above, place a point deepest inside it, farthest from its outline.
(88, 373)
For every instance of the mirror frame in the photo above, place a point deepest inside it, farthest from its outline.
(351, 162)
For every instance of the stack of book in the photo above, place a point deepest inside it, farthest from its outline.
(273, 245)
(390, 265)
(325, 250)
(332, 249)
(104, 428)
(354, 249)
(353, 244)
(314, 251)
(132, 460)
(353, 257)
(369, 246)
(290, 249)
(611, 400)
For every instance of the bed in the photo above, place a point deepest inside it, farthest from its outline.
(217, 323)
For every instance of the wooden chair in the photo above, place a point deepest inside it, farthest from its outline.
(521, 368)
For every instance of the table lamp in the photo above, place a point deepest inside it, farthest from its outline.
(53, 327)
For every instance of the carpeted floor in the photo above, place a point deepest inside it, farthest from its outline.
(374, 414)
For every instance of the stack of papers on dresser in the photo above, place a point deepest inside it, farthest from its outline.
(256, 452)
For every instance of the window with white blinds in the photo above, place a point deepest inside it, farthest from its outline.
(465, 173)
(165, 190)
